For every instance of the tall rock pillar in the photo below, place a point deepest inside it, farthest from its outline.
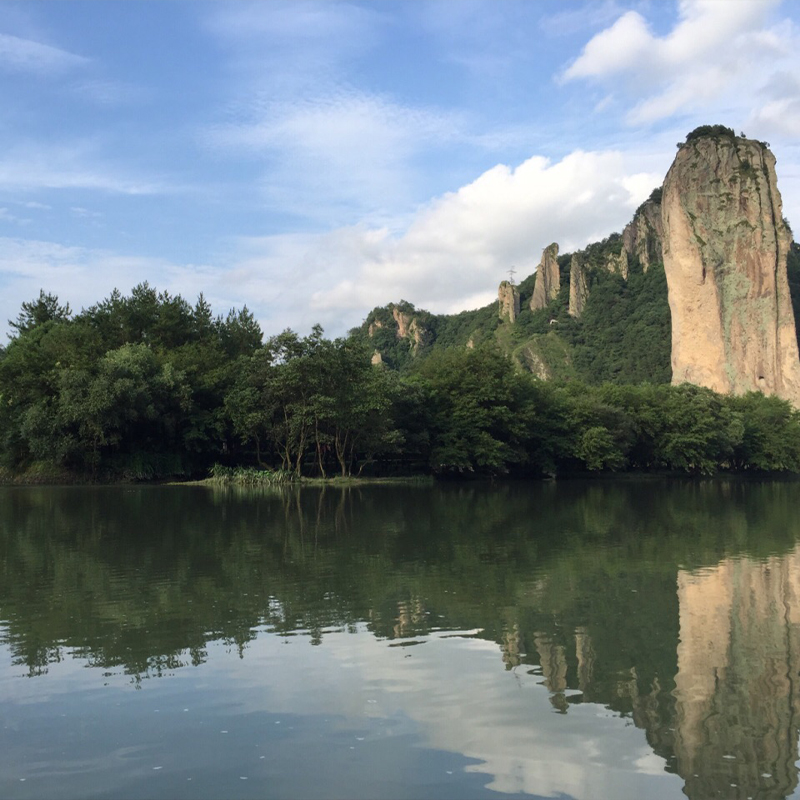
(548, 279)
(725, 249)
(578, 286)
(508, 301)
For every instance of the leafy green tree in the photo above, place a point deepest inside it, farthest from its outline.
(770, 438)
(700, 432)
(475, 397)
(45, 308)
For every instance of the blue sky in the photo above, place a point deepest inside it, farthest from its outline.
(313, 160)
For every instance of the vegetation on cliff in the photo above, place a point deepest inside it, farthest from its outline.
(622, 335)
(148, 386)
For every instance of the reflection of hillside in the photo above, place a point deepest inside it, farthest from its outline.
(576, 582)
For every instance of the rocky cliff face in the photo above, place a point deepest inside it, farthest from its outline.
(618, 263)
(508, 301)
(644, 235)
(578, 286)
(725, 249)
(548, 279)
(408, 327)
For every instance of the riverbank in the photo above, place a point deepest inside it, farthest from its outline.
(41, 474)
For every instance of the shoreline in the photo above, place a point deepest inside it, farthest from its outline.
(59, 479)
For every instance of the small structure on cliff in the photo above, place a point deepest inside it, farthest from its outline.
(725, 252)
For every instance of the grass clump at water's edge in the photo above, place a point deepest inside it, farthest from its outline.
(248, 476)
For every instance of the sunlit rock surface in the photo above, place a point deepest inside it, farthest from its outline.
(548, 279)
(725, 250)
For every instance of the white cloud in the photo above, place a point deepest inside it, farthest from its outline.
(26, 55)
(343, 149)
(33, 166)
(7, 216)
(458, 249)
(286, 48)
(450, 257)
(716, 58)
(83, 276)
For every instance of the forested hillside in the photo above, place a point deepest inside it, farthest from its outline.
(146, 386)
(622, 336)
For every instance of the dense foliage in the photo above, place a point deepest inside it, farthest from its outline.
(623, 335)
(710, 130)
(147, 386)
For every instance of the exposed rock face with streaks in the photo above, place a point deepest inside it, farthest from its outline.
(644, 235)
(618, 263)
(548, 279)
(725, 250)
(578, 286)
(408, 327)
(508, 301)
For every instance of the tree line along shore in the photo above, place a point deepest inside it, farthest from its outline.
(149, 387)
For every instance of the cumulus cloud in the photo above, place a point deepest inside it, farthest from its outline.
(457, 249)
(450, 257)
(718, 54)
(26, 55)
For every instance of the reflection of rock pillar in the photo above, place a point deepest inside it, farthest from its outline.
(510, 646)
(585, 654)
(553, 660)
(737, 699)
(554, 663)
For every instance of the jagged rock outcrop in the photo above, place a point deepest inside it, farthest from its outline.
(618, 263)
(508, 301)
(409, 327)
(578, 286)
(548, 279)
(644, 234)
(404, 322)
(725, 250)
(373, 326)
(377, 358)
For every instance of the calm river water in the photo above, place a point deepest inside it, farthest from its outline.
(588, 640)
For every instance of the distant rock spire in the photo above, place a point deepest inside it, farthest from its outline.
(548, 279)
(578, 286)
(508, 301)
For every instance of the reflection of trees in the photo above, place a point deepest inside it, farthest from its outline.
(576, 581)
